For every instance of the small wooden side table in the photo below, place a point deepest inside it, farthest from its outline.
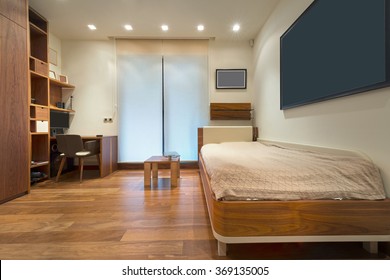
(151, 166)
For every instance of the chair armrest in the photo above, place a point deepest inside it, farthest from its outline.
(92, 146)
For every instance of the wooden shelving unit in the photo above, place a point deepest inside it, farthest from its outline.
(44, 94)
(58, 94)
(39, 97)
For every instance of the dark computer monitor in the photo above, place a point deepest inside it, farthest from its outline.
(59, 119)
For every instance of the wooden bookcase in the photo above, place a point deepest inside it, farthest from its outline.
(39, 97)
(44, 93)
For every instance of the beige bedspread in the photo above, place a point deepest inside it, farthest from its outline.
(254, 171)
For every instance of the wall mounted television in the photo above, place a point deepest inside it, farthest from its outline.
(230, 79)
(335, 48)
(59, 119)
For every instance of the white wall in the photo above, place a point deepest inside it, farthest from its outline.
(358, 122)
(90, 66)
(234, 55)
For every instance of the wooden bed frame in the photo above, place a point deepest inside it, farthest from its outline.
(291, 221)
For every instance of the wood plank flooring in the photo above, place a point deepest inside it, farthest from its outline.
(116, 217)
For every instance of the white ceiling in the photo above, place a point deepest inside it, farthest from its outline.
(68, 19)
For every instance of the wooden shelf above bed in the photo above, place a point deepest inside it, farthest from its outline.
(230, 111)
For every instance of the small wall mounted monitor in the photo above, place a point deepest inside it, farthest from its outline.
(230, 79)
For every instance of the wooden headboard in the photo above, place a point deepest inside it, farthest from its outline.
(218, 134)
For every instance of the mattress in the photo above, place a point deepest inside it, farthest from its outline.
(255, 171)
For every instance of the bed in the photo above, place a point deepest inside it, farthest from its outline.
(265, 220)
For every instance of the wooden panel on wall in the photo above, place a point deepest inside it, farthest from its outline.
(230, 111)
(14, 116)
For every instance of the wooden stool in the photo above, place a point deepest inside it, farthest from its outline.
(151, 166)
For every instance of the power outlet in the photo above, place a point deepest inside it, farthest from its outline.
(107, 120)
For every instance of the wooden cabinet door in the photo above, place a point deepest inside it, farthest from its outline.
(15, 10)
(14, 136)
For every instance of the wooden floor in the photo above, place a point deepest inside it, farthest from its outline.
(117, 218)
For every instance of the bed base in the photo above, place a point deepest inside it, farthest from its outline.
(369, 246)
(296, 221)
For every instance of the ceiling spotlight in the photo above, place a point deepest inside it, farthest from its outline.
(236, 27)
(128, 27)
(164, 27)
(200, 27)
(91, 26)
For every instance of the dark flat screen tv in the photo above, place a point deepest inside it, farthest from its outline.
(59, 119)
(335, 48)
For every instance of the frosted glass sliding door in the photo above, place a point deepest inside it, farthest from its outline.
(139, 106)
(186, 102)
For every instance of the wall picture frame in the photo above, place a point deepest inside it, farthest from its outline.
(230, 78)
(52, 56)
(52, 75)
(63, 79)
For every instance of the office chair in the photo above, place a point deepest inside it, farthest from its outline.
(72, 146)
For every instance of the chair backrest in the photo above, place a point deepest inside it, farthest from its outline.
(69, 144)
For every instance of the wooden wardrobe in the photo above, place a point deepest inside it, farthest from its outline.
(14, 113)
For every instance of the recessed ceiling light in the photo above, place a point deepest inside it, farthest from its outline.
(128, 27)
(91, 26)
(236, 27)
(200, 27)
(164, 27)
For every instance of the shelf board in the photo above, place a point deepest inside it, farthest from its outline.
(39, 133)
(38, 120)
(62, 110)
(36, 29)
(39, 163)
(61, 84)
(38, 180)
(37, 75)
(36, 58)
(39, 105)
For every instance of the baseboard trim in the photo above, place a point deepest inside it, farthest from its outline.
(140, 165)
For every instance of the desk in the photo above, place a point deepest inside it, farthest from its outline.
(151, 164)
(108, 153)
